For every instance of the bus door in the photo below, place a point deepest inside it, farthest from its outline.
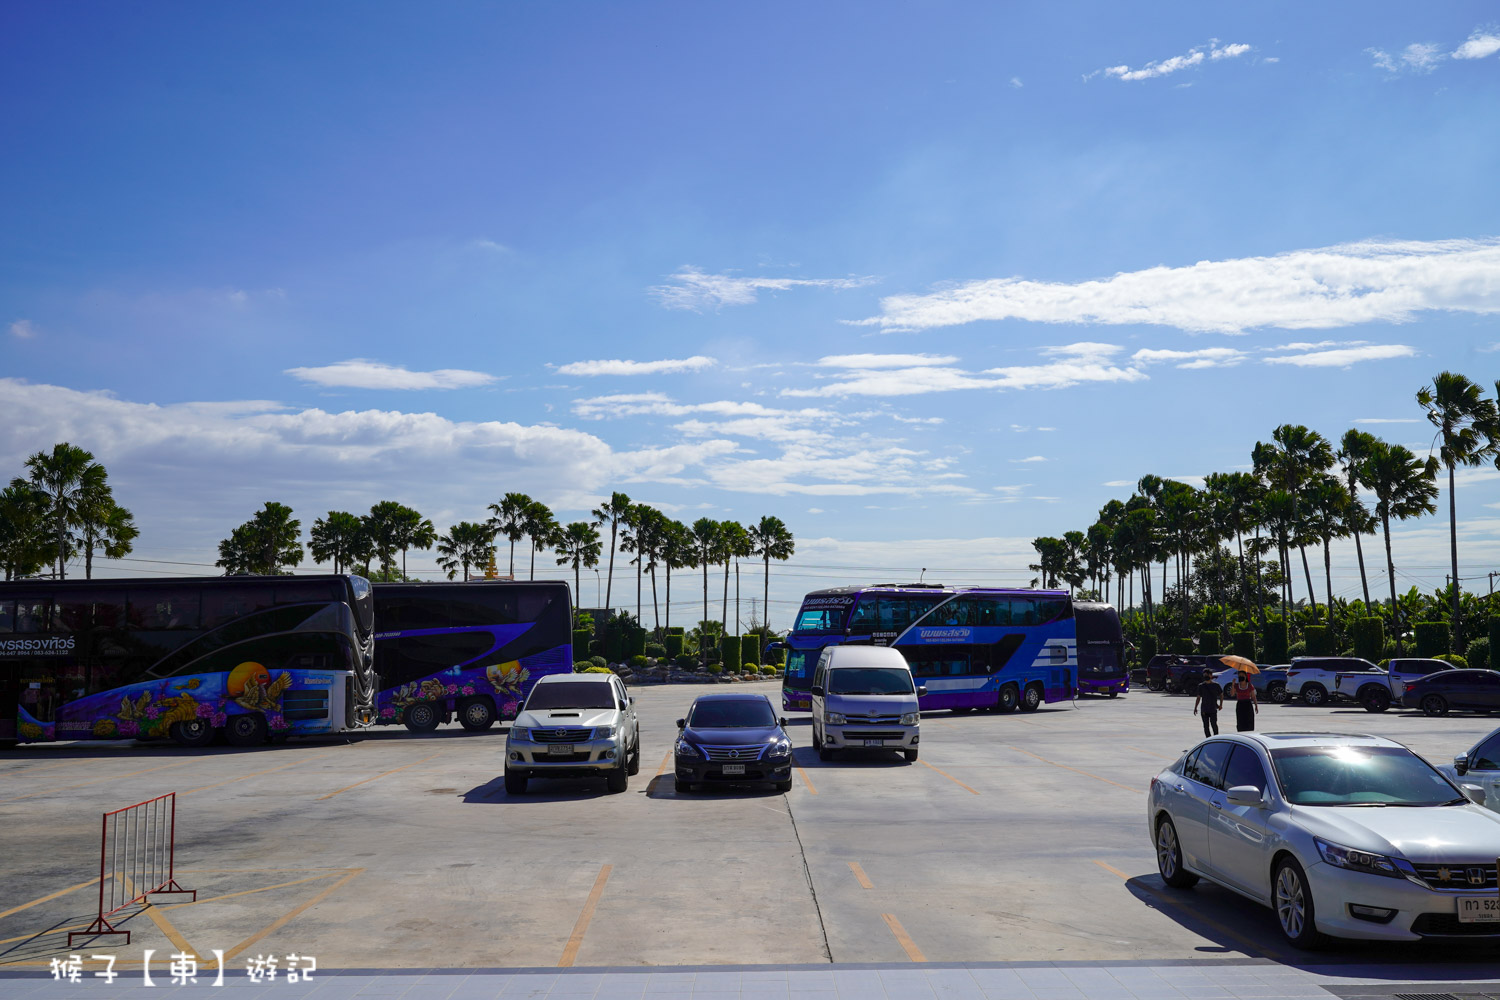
(10, 699)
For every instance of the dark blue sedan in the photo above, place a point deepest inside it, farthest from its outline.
(1459, 690)
(733, 739)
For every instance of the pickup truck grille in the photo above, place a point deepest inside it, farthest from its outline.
(562, 735)
(1459, 876)
(745, 753)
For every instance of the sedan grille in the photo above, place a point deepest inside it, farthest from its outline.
(562, 735)
(1470, 878)
(734, 753)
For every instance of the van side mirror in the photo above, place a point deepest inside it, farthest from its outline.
(921, 690)
(1245, 795)
(681, 723)
(817, 689)
(1461, 763)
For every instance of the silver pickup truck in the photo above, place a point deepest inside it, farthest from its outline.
(1376, 691)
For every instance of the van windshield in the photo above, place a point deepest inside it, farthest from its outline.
(870, 680)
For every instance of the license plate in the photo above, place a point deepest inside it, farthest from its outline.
(874, 743)
(734, 768)
(560, 748)
(1478, 909)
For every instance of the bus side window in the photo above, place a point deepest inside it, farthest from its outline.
(7, 616)
(31, 614)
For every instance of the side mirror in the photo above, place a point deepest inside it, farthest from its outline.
(782, 723)
(921, 690)
(817, 689)
(1475, 793)
(1245, 795)
(1461, 763)
(681, 723)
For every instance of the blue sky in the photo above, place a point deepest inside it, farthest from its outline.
(860, 254)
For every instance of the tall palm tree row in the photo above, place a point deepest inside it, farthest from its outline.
(66, 498)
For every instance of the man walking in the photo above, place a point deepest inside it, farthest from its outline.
(1211, 697)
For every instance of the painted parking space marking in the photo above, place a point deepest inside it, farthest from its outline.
(950, 777)
(1150, 753)
(49, 898)
(282, 921)
(859, 873)
(114, 777)
(1075, 770)
(382, 774)
(903, 939)
(807, 781)
(1111, 869)
(664, 762)
(575, 940)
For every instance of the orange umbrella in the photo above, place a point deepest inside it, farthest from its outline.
(1239, 663)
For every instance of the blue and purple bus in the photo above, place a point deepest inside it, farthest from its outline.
(470, 651)
(1101, 649)
(971, 647)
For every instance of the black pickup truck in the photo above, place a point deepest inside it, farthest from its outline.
(1178, 672)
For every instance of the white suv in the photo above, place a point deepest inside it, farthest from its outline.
(574, 726)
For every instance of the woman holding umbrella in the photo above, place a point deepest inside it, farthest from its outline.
(1243, 692)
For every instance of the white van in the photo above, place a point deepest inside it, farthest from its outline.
(864, 696)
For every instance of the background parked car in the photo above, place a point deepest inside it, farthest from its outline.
(1454, 690)
(1313, 679)
(1177, 672)
(1270, 683)
(1480, 766)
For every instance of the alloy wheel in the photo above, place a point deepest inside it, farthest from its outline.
(1291, 902)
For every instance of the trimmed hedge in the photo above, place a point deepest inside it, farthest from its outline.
(1369, 638)
(656, 649)
(673, 644)
(1208, 643)
(1147, 649)
(1273, 642)
(676, 630)
(581, 637)
(715, 669)
(768, 670)
(685, 661)
(1244, 645)
(1478, 654)
(1320, 640)
(1183, 646)
(1432, 638)
(749, 649)
(729, 653)
(599, 661)
(1453, 658)
(1495, 642)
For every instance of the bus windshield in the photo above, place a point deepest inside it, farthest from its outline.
(870, 680)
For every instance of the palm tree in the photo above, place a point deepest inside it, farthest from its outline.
(103, 525)
(734, 545)
(651, 539)
(706, 546)
(1325, 511)
(337, 538)
(541, 528)
(1404, 488)
(466, 544)
(510, 520)
(66, 476)
(1296, 455)
(630, 541)
(412, 531)
(381, 526)
(578, 545)
(678, 551)
(265, 545)
(770, 539)
(1354, 449)
(1050, 557)
(24, 543)
(615, 510)
(1072, 567)
(1467, 426)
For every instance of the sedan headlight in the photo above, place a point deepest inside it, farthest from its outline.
(834, 718)
(911, 718)
(1357, 861)
(781, 748)
(604, 732)
(686, 749)
(520, 734)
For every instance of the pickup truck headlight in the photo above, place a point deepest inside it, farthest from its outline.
(520, 734)
(686, 749)
(1357, 861)
(911, 718)
(781, 748)
(834, 718)
(604, 732)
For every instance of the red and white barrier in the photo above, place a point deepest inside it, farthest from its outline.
(135, 861)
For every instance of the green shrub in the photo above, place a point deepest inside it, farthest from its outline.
(676, 630)
(673, 644)
(1208, 643)
(1495, 642)
(598, 670)
(685, 661)
(714, 668)
(712, 654)
(1320, 640)
(767, 669)
(1296, 649)
(581, 637)
(751, 668)
(656, 649)
(1453, 658)
(1147, 649)
(1369, 638)
(1432, 638)
(596, 647)
(638, 661)
(1183, 646)
(599, 661)
(635, 642)
(1478, 654)
(580, 666)
(729, 653)
(1273, 642)
(749, 649)
(1244, 645)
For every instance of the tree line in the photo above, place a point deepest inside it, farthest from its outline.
(62, 508)
(1304, 491)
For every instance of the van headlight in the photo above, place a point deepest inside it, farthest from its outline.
(834, 718)
(911, 719)
(1357, 861)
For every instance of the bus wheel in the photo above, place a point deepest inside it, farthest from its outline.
(963, 709)
(1113, 693)
(248, 730)
(195, 733)
(1009, 696)
(421, 717)
(477, 714)
(1032, 700)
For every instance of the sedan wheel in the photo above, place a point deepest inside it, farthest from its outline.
(1294, 906)
(1434, 705)
(1169, 857)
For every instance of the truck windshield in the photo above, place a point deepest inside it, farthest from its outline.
(870, 680)
(570, 694)
(1360, 776)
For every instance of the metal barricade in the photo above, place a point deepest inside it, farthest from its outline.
(135, 861)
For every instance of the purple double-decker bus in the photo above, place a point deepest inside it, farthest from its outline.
(1101, 649)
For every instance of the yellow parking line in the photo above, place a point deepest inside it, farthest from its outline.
(234, 952)
(1075, 770)
(807, 781)
(115, 777)
(172, 933)
(902, 938)
(664, 762)
(250, 892)
(859, 873)
(951, 778)
(1112, 869)
(46, 899)
(382, 774)
(1150, 753)
(575, 940)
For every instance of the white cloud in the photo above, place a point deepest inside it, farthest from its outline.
(884, 360)
(692, 288)
(1272, 59)
(1344, 356)
(815, 510)
(23, 328)
(1164, 67)
(1015, 82)
(1070, 364)
(1120, 482)
(1480, 45)
(1386, 420)
(359, 373)
(1031, 458)
(1211, 357)
(1390, 281)
(619, 367)
(1073, 364)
